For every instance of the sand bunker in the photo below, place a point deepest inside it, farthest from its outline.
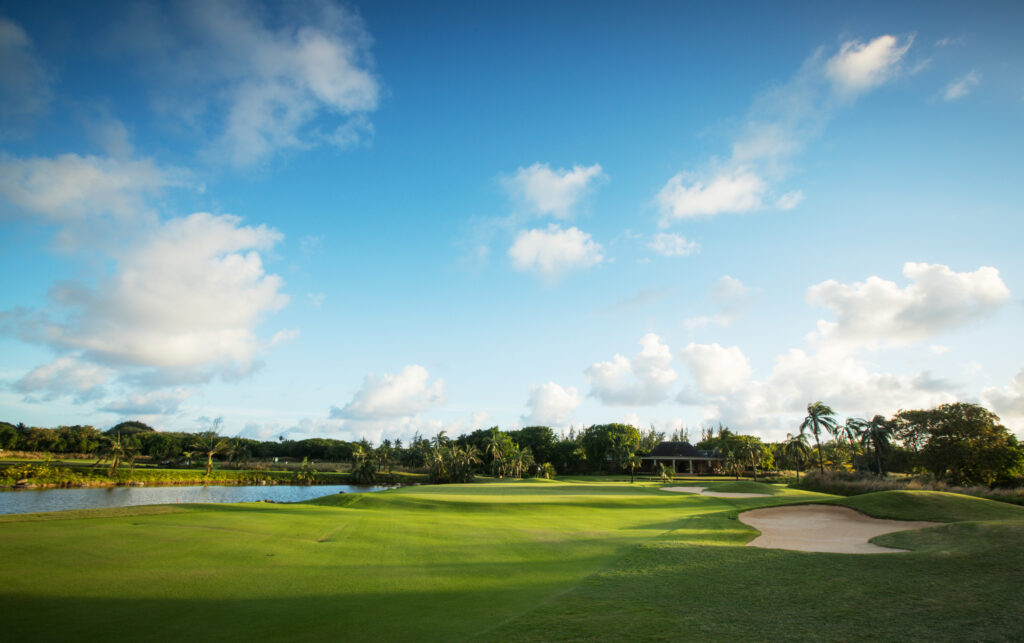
(717, 494)
(823, 528)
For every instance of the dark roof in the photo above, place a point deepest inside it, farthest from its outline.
(679, 450)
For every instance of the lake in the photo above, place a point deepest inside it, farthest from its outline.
(37, 500)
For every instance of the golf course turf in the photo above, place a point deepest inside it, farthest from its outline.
(574, 559)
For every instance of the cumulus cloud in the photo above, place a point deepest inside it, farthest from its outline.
(738, 190)
(961, 86)
(870, 315)
(716, 369)
(551, 192)
(550, 404)
(1008, 402)
(880, 312)
(553, 251)
(673, 245)
(70, 187)
(181, 305)
(24, 81)
(151, 403)
(479, 420)
(644, 379)
(65, 376)
(257, 85)
(860, 66)
(730, 297)
(778, 126)
(393, 395)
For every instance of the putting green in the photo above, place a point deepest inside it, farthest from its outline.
(497, 560)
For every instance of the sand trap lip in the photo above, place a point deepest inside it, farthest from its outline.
(715, 494)
(823, 528)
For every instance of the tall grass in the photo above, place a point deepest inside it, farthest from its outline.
(844, 483)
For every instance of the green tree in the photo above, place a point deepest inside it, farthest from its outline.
(603, 441)
(209, 443)
(820, 417)
(630, 461)
(877, 434)
(966, 444)
(752, 452)
(797, 452)
(733, 464)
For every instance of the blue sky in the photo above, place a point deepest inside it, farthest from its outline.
(365, 220)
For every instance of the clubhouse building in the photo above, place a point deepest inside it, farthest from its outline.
(682, 458)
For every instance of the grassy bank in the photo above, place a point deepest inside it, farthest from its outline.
(45, 475)
(853, 484)
(508, 560)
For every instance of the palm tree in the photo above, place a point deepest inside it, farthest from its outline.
(732, 464)
(630, 460)
(819, 416)
(470, 456)
(850, 432)
(209, 444)
(237, 452)
(752, 452)
(113, 448)
(440, 440)
(796, 451)
(495, 449)
(877, 433)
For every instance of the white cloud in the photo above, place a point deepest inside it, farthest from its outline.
(259, 88)
(643, 380)
(734, 191)
(24, 81)
(790, 200)
(65, 376)
(949, 41)
(938, 349)
(553, 251)
(1008, 402)
(72, 187)
(961, 86)
(673, 245)
(151, 403)
(479, 419)
(779, 125)
(860, 66)
(393, 396)
(182, 304)
(879, 312)
(730, 297)
(553, 192)
(550, 404)
(716, 369)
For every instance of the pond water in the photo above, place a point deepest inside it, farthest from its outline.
(36, 500)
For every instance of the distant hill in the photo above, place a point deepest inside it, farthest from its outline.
(131, 427)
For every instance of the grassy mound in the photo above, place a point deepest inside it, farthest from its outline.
(932, 505)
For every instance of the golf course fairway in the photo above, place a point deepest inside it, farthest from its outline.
(573, 559)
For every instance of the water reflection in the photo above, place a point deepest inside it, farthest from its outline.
(37, 500)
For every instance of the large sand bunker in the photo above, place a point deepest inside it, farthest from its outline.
(716, 494)
(823, 528)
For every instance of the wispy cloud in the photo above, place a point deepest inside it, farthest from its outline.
(253, 87)
(961, 86)
(25, 81)
(778, 127)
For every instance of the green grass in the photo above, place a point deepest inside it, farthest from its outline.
(530, 560)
